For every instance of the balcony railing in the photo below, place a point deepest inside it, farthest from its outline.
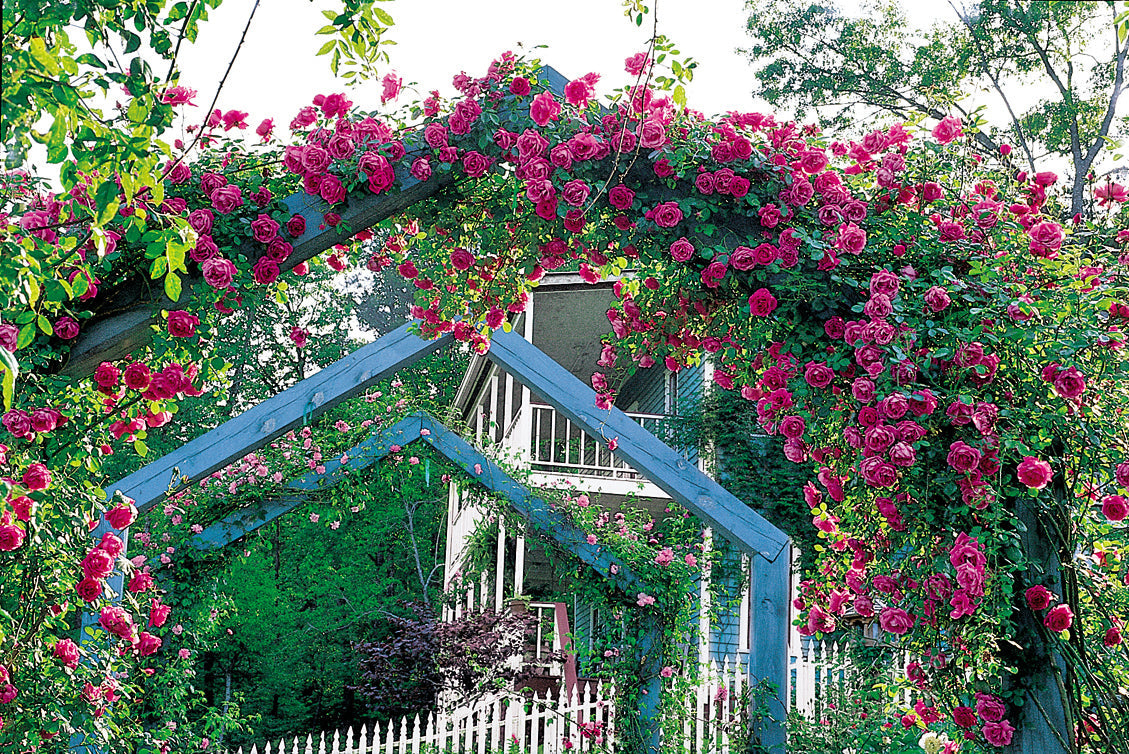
(557, 445)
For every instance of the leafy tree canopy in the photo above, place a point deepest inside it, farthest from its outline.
(983, 64)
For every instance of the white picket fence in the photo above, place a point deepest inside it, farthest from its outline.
(820, 672)
(716, 721)
(541, 724)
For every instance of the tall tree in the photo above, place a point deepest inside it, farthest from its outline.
(817, 59)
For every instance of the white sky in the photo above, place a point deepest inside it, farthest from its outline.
(277, 71)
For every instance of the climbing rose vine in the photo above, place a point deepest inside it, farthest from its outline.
(937, 344)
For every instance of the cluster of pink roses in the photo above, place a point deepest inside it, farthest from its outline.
(100, 559)
(27, 426)
(174, 381)
(36, 478)
(989, 712)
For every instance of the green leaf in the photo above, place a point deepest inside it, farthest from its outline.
(45, 325)
(26, 336)
(32, 291)
(172, 286)
(11, 371)
(327, 47)
(141, 448)
(383, 16)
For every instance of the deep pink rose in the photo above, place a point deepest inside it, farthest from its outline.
(117, 621)
(1069, 383)
(878, 306)
(1121, 473)
(792, 427)
(461, 259)
(896, 621)
(331, 189)
(520, 86)
(666, 215)
(67, 651)
(23, 506)
(314, 159)
(66, 328)
(762, 303)
(279, 251)
(903, 454)
(112, 544)
(544, 108)
(181, 324)
(575, 192)
(266, 271)
(818, 374)
(226, 199)
(621, 197)
(769, 215)
(140, 582)
(475, 164)
(635, 64)
(204, 249)
(652, 134)
(340, 147)
(11, 537)
(963, 716)
(851, 239)
(937, 298)
(1059, 618)
(682, 250)
(998, 733)
(296, 226)
(1033, 472)
(877, 473)
(97, 564)
(1112, 636)
(36, 477)
(948, 129)
(121, 516)
(743, 258)
(950, 231)
(209, 182)
(1038, 597)
(218, 272)
(1047, 234)
(89, 589)
(264, 228)
(963, 457)
(1115, 507)
(147, 644)
(158, 613)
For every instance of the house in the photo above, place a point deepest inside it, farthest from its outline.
(566, 319)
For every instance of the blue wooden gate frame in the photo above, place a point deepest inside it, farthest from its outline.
(680, 479)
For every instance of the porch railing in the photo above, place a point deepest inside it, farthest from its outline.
(557, 445)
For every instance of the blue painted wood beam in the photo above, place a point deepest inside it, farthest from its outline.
(667, 469)
(768, 640)
(275, 416)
